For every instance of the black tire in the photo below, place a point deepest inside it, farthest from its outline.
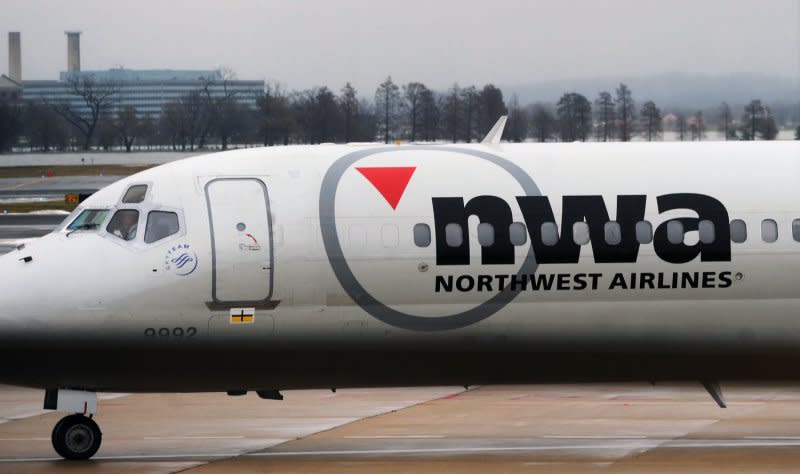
(76, 437)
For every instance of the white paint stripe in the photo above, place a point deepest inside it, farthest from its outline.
(24, 439)
(454, 450)
(773, 437)
(396, 437)
(649, 443)
(595, 437)
(190, 437)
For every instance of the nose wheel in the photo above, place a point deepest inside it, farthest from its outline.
(76, 437)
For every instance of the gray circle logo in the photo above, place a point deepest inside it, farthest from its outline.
(356, 291)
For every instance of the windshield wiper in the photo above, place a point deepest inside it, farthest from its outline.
(82, 227)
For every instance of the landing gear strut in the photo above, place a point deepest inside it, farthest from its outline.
(76, 437)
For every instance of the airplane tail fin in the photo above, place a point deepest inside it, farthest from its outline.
(493, 137)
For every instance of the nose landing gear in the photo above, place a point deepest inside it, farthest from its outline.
(76, 437)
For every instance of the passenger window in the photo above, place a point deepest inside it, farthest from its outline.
(88, 220)
(769, 230)
(796, 230)
(613, 233)
(675, 232)
(422, 235)
(453, 235)
(706, 231)
(358, 236)
(518, 233)
(580, 233)
(390, 235)
(549, 233)
(738, 231)
(124, 224)
(160, 225)
(644, 232)
(135, 194)
(485, 234)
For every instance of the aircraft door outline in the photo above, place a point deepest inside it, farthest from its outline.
(242, 258)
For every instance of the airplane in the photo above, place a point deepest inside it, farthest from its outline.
(364, 265)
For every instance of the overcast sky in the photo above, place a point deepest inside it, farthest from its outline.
(306, 43)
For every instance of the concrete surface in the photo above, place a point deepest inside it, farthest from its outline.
(93, 158)
(608, 428)
(21, 188)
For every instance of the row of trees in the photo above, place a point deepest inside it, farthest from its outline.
(617, 118)
(213, 115)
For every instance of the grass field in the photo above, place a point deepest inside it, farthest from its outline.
(73, 170)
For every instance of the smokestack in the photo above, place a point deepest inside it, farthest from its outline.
(14, 56)
(73, 51)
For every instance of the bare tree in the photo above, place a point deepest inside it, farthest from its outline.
(348, 104)
(451, 111)
(10, 125)
(651, 120)
(470, 109)
(697, 126)
(387, 103)
(429, 112)
(767, 128)
(44, 128)
(754, 115)
(543, 122)
(492, 107)
(625, 112)
(575, 116)
(224, 113)
(197, 118)
(174, 123)
(274, 115)
(128, 126)
(725, 119)
(413, 93)
(106, 132)
(518, 123)
(95, 99)
(605, 111)
(680, 125)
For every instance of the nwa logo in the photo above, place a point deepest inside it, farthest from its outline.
(537, 211)
(405, 297)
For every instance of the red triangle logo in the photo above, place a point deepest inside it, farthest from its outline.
(390, 181)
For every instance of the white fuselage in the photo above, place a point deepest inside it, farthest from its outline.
(321, 250)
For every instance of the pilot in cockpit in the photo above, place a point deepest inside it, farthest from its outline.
(124, 224)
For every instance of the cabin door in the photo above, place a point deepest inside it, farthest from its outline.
(241, 241)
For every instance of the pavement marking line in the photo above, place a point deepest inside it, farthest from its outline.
(24, 439)
(596, 437)
(198, 456)
(19, 185)
(487, 449)
(395, 437)
(670, 443)
(163, 438)
(773, 437)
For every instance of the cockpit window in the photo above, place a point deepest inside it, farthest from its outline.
(135, 194)
(160, 224)
(88, 220)
(124, 224)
